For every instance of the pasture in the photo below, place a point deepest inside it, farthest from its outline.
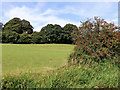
(17, 58)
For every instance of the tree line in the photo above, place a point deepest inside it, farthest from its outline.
(21, 32)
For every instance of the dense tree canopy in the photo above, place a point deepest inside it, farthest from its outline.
(66, 35)
(24, 38)
(14, 25)
(27, 27)
(21, 31)
(51, 33)
(1, 27)
(19, 26)
(10, 37)
(57, 34)
(36, 38)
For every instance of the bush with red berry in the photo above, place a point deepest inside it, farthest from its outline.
(96, 40)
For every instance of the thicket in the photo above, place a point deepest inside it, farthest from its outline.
(96, 41)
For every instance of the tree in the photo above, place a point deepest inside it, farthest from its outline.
(36, 38)
(1, 28)
(24, 38)
(14, 28)
(19, 26)
(66, 34)
(27, 27)
(51, 33)
(4, 38)
(14, 25)
(9, 37)
(54, 35)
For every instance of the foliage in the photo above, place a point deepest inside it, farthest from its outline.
(0, 36)
(48, 34)
(14, 25)
(10, 37)
(36, 38)
(51, 33)
(66, 34)
(19, 26)
(57, 34)
(95, 40)
(27, 27)
(14, 30)
(1, 28)
(24, 38)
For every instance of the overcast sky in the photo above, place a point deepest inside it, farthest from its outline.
(42, 13)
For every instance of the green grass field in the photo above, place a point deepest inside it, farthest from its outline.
(26, 66)
(17, 58)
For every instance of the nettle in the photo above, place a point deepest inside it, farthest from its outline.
(95, 40)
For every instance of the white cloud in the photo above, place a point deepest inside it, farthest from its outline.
(38, 20)
(97, 9)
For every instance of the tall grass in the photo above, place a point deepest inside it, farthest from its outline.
(98, 76)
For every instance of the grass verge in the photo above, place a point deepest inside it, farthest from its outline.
(98, 76)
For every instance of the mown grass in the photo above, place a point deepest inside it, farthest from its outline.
(18, 58)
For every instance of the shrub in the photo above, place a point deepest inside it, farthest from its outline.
(96, 40)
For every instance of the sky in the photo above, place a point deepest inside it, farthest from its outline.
(40, 14)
